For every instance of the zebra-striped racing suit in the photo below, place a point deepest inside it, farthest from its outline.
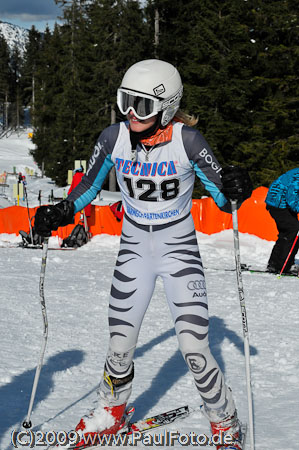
(158, 240)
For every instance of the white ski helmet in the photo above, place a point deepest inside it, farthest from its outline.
(148, 87)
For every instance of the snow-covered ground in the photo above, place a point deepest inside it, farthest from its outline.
(15, 158)
(77, 286)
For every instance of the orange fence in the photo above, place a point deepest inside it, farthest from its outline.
(253, 218)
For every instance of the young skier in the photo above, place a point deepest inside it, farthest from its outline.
(156, 155)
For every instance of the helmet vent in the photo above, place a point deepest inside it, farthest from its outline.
(159, 90)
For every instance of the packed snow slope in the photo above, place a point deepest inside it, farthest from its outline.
(15, 158)
(77, 285)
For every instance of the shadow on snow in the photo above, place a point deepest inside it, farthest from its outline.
(175, 367)
(15, 396)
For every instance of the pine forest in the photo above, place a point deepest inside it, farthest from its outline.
(238, 59)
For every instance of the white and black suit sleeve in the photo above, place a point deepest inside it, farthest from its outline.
(99, 166)
(205, 165)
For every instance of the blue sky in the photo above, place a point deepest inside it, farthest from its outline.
(26, 13)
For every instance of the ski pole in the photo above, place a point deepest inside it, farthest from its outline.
(86, 225)
(288, 257)
(244, 319)
(30, 227)
(27, 422)
(85, 221)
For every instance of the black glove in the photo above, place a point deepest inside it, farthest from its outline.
(236, 183)
(48, 218)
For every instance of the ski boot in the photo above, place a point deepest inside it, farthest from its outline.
(31, 239)
(272, 269)
(108, 417)
(293, 270)
(102, 420)
(232, 427)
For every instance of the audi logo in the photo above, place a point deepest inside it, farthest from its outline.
(196, 285)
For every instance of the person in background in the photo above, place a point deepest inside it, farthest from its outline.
(157, 155)
(283, 205)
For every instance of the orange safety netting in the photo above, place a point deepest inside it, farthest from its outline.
(253, 218)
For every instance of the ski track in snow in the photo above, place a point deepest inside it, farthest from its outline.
(77, 286)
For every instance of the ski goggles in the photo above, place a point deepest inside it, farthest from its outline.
(144, 106)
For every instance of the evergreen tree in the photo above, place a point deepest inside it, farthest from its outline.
(16, 110)
(29, 68)
(239, 64)
(238, 61)
(5, 76)
(69, 129)
(98, 45)
(133, 38)
(119, 40)
(62, 100)
(49, 91)
(273, 147)
(209, 43)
